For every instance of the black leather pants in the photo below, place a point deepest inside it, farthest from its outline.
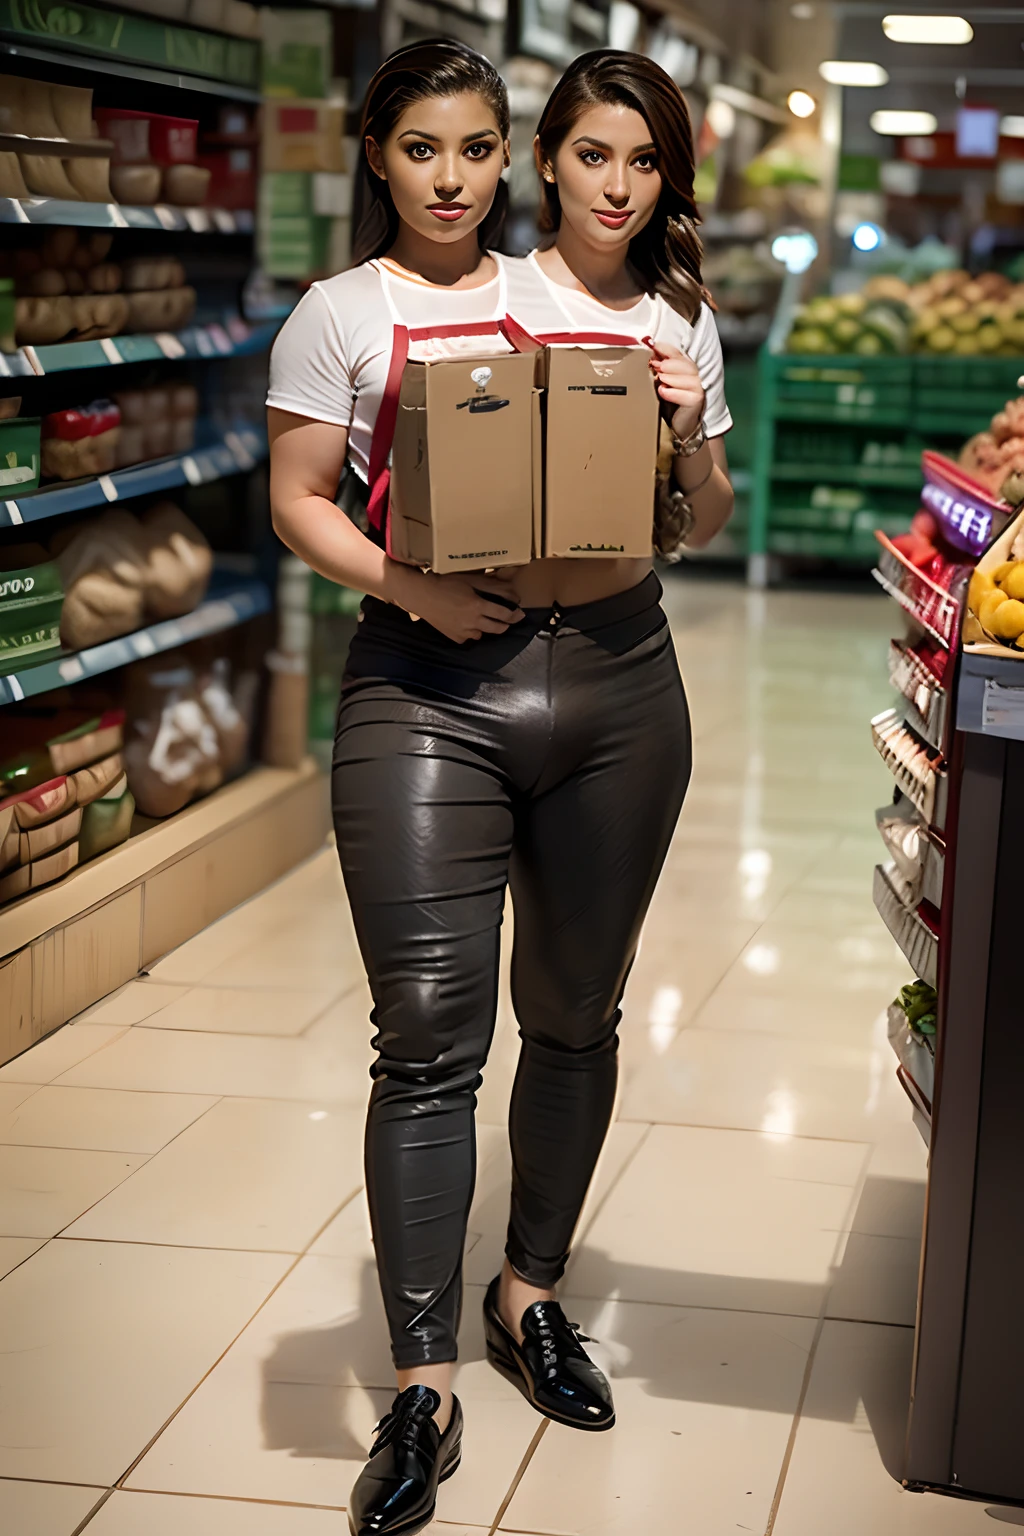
(553, 758)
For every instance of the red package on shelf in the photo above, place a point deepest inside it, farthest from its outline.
(232, 178)
(84, 421)
(142, 136)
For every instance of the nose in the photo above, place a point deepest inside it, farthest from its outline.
(617, 186)
(447, 181)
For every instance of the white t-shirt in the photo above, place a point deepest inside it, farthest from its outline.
(543, 307)
(330, 361)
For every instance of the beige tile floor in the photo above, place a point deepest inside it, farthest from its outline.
(190, 1328)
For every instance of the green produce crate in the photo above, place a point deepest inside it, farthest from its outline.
(19, 456)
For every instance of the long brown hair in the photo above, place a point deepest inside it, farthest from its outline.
(438, 67)
(667, 252)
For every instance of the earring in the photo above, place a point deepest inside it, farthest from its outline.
(548, 176)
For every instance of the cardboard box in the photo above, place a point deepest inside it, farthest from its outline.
(303, 136)
(600, 452)
(462, 463)
(297, 47)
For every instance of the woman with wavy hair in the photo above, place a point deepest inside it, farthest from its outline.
(523, 731)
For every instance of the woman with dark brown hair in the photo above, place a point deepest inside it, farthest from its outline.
(524, 731)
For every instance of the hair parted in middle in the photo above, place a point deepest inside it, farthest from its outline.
(667, 253)
(438, 67)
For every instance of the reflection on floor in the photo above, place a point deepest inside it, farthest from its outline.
(191, 1333)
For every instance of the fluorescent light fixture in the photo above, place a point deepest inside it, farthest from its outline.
(801, 103)
(867, 237)
(902, 125)
(927, 29)
(847, 72)
(1012, 127)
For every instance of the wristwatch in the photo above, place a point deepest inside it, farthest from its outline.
(686, 447)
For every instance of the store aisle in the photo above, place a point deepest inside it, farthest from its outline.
(189, 1307)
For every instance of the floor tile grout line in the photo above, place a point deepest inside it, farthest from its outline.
(290, 1270)
(519, 1475)
(794, 1429)
(748, 1130)
(80, 1527)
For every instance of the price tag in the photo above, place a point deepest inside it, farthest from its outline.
(110, 352)
(143, 644)
(198, 220)
(221, 340)
(1002, 710)
(17, 691)
(71, 670)
(224, 221)
(32, 358)
(169, 345)
(166, 217)
(14, 512)
(116, 217)
(193, 474)
(108, 487)
(204, 346)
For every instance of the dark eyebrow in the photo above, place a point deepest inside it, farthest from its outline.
(435, 138)
(600, 144)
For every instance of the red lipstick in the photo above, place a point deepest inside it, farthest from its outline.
(612, 220)
(448, 212)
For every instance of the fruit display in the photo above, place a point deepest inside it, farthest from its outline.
(950, 313)
(996, 458)
(995, 601)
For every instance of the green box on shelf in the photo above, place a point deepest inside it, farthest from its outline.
(285, 195)
(294, 247)
(139, 39)
(31, 601)
(19, 456)
(297, 50)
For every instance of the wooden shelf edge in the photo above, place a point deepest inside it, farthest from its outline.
(103, 879)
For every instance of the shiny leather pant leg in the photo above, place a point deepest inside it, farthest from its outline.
(555, 759)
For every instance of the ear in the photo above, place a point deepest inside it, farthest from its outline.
(375, 158)
(506, 155)
(545, 170)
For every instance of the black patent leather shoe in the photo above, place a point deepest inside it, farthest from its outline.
(550, 1367)
(396, 1491)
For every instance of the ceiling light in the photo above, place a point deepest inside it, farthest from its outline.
(846, 72)
(867, 237)
(796, 249)
(927, 29)
(801, 103)
(721, 117)
(904, 124)
(802, 11)
(1012, 128)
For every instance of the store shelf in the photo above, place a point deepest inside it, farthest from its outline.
(914, 765)
(230, 602)
(916, 1059)
(233, 338)
(92, 64)
(925, 698)
(234, 453)
(919, 943)
(128, 43)
(881, 476)
(920, 878)
(922, 1114)
(55, 210)
(932, 607)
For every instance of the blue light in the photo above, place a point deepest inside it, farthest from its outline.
(867, 237)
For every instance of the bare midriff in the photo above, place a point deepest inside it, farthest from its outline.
(543, 583)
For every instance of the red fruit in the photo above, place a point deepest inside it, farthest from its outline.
(926, 525)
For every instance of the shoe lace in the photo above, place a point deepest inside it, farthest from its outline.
(548, 1327)
(404, 1420)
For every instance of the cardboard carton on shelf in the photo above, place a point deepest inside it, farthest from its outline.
(303, 135)
(462, 463)
(601, 424)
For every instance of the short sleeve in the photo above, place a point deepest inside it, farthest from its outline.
(310, 373)
(705, 349)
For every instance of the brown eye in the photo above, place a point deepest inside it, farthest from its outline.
(479, 151)
(420, 152)
(592, 157)
(646, 163)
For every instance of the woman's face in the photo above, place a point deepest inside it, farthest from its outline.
(442, 162)
(606, 171)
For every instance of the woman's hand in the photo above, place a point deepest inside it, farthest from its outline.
(462, 606)
(679, 384)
